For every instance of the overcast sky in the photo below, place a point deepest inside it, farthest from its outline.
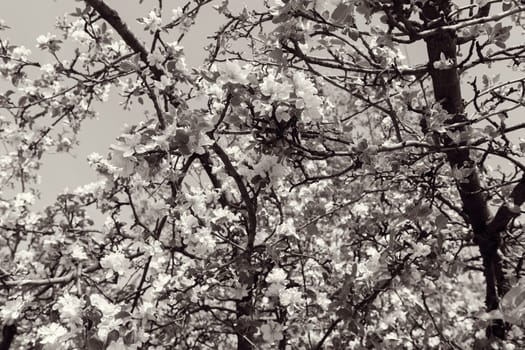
(30, 18)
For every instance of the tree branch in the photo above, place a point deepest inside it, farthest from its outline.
(48, 281)
(479, 20)
(113, 18)
(248, 201)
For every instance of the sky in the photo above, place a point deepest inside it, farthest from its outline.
(71, 170)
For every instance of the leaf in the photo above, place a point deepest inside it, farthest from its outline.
(337, 42)
(95, 344)
(441, 221)
(312, 229)
(515, 294)
(276, 55)
(171, 65)
(492, 315)
(22, 101)
(77, 13)
(353, 34)
(129, 338)
(128, 66)
(122, 314)
(485, 80)
(341, 12)
(424, 210)
(112, 336)
(500, 44)
(514, 209)
(345, 314)
(482, 3)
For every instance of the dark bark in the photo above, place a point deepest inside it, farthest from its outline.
(247, 277)
(8, 335)
(245, 329)
(113, 18)
(447, 91)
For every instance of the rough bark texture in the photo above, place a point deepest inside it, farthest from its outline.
(113, 18)
(8, 335)
(447, 90)
(245, 329)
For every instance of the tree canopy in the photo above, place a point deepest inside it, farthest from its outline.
(309, 186)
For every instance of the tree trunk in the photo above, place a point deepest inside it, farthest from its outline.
(8, 335)
(447, 91)
(245, 328)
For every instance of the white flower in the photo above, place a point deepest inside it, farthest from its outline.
(233, 72)
(323, 301)
(274, 89)
(163, 83)
(48, 68)
(80, 36)
(155, 59)
(94, 158)
(23, 199)
(434, 341)
(78, 33)
(277, 275)
(108, 309)
(20, 53)
(52, 333)
(360, 209)
(28, 89)
(11, 310)
(287, 228)
(275, 4)
(307, 97)
(159, 283)
(177, 13)
(290, 296)
(224, 215)
(115, 261)
(78, 252)
(201, 242)
(89, 189)
(282, 113)
(272, 332)
(119, 46)
(181, 65)
(25, 256)
(303, 86)
(45, 39)
(420, 249)
(368, 267)
(152, 22)
(70, 308)
(147, 309)
(443, 63)
(188, 222)
(174, 48)
(102, 92)
(106, 325)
